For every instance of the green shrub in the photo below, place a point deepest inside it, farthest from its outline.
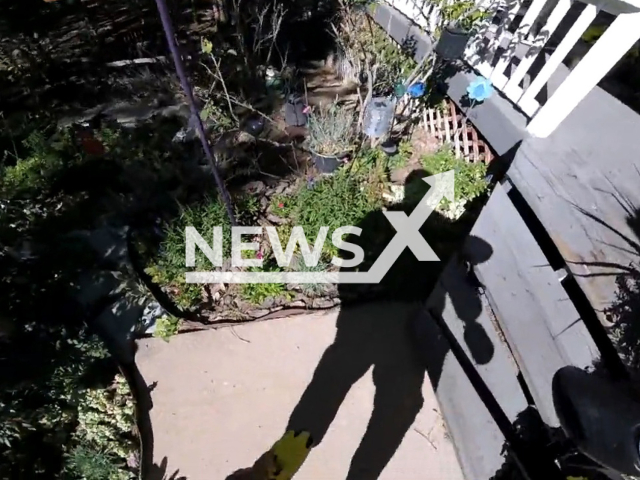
(469, 177)
(337, 201)
(166, 327)
(167, 268)
(374, 158)
(331, 129)
(35, 173)
(401, 158)
(89, 464)
(62, 406)
(104, 415)
(257, 293)
(310, 289)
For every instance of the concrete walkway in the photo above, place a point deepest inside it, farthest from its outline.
(223, 397)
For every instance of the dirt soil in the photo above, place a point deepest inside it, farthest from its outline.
(223, 397)
(422, 143)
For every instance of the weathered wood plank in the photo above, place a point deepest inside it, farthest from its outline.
(432, 127)
(477, 439)
(456, 130)
(583, 174)
(539, 321)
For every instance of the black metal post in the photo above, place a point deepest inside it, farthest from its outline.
(184, 81)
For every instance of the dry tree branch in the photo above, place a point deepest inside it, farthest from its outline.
(276, 23)
(224, 87)
(242, 104)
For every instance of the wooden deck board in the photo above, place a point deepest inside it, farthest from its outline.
(585, 171)
(477, 439)
(535, 313)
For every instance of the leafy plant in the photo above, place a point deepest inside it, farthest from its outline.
(105, 415)
(61, 406)
(90, 464)
(36, 172)
(337, 201)
(167, 267)
(331, 129)
(403, 155)
(166, 327)
(257, 293)
(310, 289)
(246, 209)
(469, 177)
(463, 14)
(374, 158)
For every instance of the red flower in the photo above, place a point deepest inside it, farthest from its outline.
(281, 205)
(259, 255)
(90, 144)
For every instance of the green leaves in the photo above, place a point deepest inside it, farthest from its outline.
(469, 177)
(94, 464)
(257, 293)
(337, 201)
(166, 327)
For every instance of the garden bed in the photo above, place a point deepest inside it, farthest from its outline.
(367, 183)
(356, 195)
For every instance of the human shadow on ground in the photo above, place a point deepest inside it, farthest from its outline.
(382, 337)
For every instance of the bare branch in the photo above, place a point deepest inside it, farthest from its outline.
(224, 87)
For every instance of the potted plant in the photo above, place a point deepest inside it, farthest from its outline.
(460, 20)
(331, 134)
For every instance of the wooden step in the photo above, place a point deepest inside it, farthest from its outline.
(539, 321)
(476, 437)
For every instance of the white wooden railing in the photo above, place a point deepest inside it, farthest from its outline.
(485, 57)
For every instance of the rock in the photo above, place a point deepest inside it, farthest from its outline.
(275, 219)
(151, 313)
(260, 312)
(323, 303)
(264, 203)
(269, 303)
(279, 190)
(255, 187)
(297, 304)
(396, 195)
(290, 189)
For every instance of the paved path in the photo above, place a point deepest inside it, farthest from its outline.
(223, 397)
